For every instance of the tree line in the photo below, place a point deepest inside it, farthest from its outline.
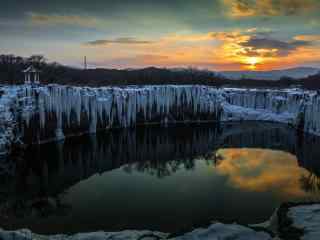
(11, 68)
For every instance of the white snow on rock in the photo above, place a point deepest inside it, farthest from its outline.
(307, 218)
(25, 234)
(282, 106)
(219, 231)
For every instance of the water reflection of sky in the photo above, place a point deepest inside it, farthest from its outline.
(263, 170)
(246, 185)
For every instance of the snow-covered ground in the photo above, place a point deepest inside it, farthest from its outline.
(52, 112)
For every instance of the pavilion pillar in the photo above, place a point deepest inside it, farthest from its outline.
(31, 76)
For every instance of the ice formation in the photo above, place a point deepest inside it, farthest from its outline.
(52, 112)
(8, 103)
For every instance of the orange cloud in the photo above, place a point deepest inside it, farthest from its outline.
(311, 38)
(127, 40)
(189, 37)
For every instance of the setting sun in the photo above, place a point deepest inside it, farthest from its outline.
(253, 61)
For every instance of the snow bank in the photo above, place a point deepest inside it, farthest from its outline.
(53, 112)
(284, 106)
(223, 231)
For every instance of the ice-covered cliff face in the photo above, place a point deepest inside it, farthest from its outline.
(8, 103)
(54, 111)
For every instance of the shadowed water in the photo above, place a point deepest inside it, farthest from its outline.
(165, 179)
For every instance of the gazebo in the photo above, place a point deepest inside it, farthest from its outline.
(31, 75)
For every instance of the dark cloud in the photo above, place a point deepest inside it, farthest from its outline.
(283, 48)
(127, 40)
(249, 8)
(43, 19)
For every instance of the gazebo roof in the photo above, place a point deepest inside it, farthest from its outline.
(31, 69)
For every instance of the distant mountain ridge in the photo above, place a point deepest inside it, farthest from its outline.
(295, 73)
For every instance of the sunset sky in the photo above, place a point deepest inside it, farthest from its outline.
(212, 34)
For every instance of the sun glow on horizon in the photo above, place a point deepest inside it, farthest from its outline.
(253, 61)
(219, 51)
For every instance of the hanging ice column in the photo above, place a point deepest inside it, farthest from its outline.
(72, 110)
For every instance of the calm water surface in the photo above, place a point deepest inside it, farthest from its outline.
(160, 179)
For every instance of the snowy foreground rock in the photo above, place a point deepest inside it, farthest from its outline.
(216, 231)
(42, 113)
(303, 223)
(307, 219)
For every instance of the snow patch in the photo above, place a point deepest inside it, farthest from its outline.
(221, 231)
(307, 218)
